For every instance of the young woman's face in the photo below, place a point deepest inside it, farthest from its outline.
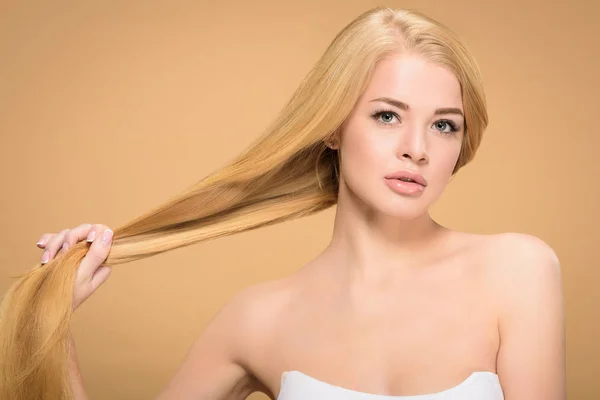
(409, 118)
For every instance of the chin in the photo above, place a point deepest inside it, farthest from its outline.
(384, 202)
(403, 213)
(399, 207)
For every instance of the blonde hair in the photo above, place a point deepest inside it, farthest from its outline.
(286, 173)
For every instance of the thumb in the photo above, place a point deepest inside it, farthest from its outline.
(96, 255)
(100, 276)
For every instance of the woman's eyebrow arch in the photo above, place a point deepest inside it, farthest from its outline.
(403, 106)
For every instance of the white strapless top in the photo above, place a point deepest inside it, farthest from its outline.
(480, 385)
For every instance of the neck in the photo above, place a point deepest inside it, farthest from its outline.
(371, 246)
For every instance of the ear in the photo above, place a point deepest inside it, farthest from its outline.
(332, 142)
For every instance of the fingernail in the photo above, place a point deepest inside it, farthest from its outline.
(106, 236)
(41, 242)
(65, 246)
(91, 236)
(45, 257)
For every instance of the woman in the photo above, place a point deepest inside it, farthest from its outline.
(397, 305)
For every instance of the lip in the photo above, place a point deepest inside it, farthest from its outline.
(405, 188)
(406, 173)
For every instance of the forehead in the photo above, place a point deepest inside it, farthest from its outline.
(416, 81)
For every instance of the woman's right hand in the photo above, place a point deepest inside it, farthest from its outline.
(91, 273)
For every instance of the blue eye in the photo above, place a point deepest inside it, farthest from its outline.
(446, 123)
(388, 114)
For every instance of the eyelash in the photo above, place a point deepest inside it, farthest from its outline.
(453, 127)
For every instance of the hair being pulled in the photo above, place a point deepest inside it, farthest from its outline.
(287, 173)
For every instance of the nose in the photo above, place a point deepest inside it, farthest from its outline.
(413, 145)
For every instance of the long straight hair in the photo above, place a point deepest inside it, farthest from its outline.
(287, 173)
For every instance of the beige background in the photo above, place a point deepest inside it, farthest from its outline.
(108, 108)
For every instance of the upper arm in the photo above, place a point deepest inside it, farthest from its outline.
(213, 368)
(531, 358)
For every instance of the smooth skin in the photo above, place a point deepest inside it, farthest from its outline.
(396, 304)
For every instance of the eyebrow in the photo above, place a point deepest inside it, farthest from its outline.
(405, 107)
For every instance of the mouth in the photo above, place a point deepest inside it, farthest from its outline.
(405, 186)
(408, 176)
(406, 180)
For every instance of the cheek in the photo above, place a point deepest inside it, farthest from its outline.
(452, 156)
(363, 153)
(445, 160)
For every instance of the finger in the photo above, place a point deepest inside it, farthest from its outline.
(53, 245)
(96, 230)
(96, 255)
(75, 235)
(100, 276)
(44, 239)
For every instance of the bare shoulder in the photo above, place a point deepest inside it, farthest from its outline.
(520, 255)
(259, 306)
(521, 269)
(260, 311)
(220, 363)
(255, 311)
(525, 281)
